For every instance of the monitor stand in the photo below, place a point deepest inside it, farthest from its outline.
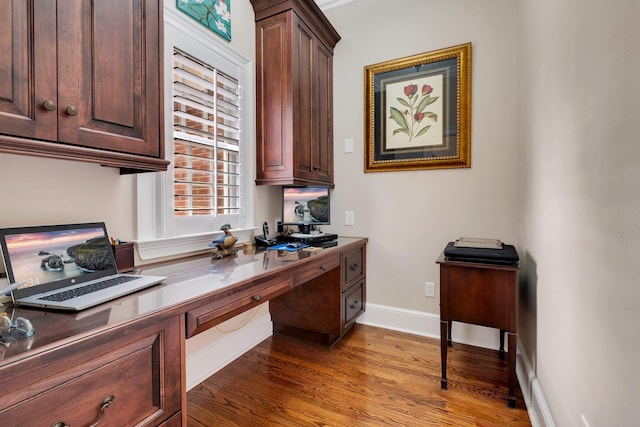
(304, 228)
(304, 232)
(305, 235)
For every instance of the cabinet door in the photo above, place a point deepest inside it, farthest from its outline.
(274, 158)
(313, 106)
(27, 35)
(305, 109)
(109, 82)
(323, 93)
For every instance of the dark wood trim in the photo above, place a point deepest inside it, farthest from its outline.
(55, 150)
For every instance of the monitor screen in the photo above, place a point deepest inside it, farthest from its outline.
(304, 206)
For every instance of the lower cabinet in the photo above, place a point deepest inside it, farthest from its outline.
(329, 295)
(130, 375)
(353, 303)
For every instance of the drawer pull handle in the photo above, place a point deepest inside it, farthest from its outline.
(353, 267)
(257, 298)
(49, 105)
(353, 304)
(60, 424)
(106, 402)
(323, 267)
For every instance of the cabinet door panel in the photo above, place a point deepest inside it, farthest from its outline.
(27, 34)
(353, 303)
(323, 156)
(353, 266)
(273, 93)
(110, 77)
(304, 107)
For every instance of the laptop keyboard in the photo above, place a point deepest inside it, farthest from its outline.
(87, 289)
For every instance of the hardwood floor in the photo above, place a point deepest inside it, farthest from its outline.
(372, 377)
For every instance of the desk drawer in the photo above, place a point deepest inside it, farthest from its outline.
(141, 378)
(353, 266)
(316, 268)
(353, 302)
(229, 305)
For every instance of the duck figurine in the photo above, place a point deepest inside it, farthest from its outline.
(224, 244)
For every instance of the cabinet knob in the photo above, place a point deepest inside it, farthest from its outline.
(72, 110)
(323, 267)
(60, 424)
(257, 298)
(353, 304)
(353, 267)
(49, 105)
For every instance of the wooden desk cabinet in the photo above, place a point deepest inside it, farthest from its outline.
(127, 356)
(130, 374)
(294, 93)
(83, 82)
(235, 301)
(480, 294)
(328, 297)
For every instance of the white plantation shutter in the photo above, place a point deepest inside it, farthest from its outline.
(206, 149)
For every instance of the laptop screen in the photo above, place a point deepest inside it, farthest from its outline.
(52, 257)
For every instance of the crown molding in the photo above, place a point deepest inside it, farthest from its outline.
(330, 4)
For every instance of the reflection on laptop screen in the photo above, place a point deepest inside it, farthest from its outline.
(48, 256)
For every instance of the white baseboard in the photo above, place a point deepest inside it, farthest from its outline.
(534, 399)
(205, 360)
(427, 325)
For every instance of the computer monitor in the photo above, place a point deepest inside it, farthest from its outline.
(305, 206)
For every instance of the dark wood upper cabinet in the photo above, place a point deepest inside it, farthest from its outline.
(81, 80)
(294, 93)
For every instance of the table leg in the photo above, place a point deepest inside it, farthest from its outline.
(511, 361)
(443, 352)
(449, 340)
(502, 332)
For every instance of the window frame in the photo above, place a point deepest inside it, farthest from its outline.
(159, 232)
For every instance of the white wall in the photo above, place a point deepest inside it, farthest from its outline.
(38, 191)
(579, 186)
(410, 216)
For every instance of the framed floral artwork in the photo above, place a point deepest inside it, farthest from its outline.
(213, 14)
(418, 111)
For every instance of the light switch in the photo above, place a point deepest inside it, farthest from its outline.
(348, 218)
(348, 145)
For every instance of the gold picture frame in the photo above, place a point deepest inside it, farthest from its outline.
(418, 111)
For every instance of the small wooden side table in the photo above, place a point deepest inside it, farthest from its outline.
(480, 294)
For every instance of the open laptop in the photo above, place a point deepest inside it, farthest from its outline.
(66, 267)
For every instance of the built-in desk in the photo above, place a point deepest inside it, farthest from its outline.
(124, 360)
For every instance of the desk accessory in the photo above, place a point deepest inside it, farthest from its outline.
(289, 247)
(265, 239)
(224, 244)
(123, 252)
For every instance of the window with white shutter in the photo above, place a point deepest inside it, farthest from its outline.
(206, 149)
(208, 182)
